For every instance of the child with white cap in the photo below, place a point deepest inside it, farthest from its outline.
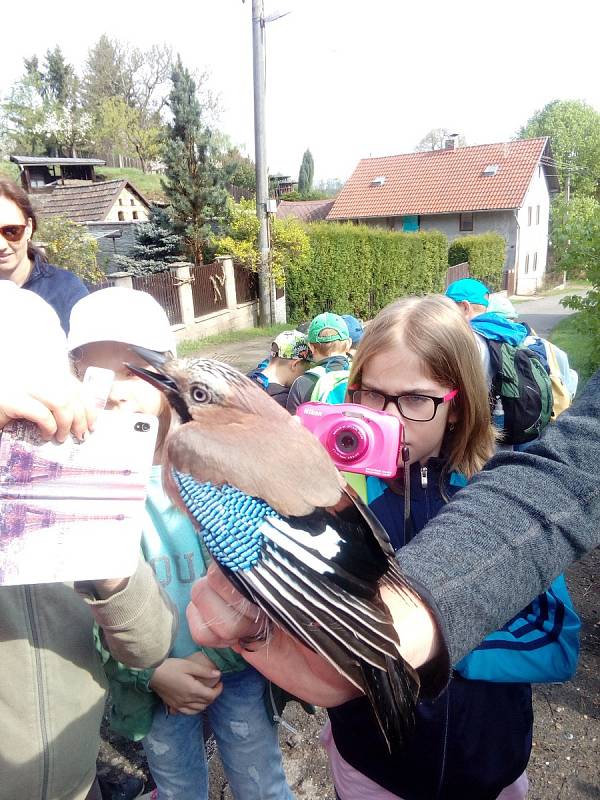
(164, 706)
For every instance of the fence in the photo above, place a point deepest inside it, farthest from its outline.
(246, 284)
(208, 288)
(162, 287)
(203, 300)
(457, 272)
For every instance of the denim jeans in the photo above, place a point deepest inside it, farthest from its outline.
(247, 739)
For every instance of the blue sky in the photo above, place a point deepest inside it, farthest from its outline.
(346, 78)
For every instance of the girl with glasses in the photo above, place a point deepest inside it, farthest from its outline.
(418, 361)
(25, 264)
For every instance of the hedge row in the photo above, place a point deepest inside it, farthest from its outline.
(358, 270)
(485, 254)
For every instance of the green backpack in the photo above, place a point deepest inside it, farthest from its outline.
(521, 382)
(330, 386)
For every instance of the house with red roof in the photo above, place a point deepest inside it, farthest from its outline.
(461, 191)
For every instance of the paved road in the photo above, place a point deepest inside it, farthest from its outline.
(543, 313)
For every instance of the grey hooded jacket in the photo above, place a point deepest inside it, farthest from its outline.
(502, 540)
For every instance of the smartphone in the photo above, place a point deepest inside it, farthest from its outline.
(73, 511)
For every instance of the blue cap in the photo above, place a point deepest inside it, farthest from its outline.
(469, 289)
(355, 328)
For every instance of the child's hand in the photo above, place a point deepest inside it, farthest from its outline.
(187, 685)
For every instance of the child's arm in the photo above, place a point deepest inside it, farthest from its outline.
(187, 685)
(139, 621)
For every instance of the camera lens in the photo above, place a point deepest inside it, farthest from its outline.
(347, 441)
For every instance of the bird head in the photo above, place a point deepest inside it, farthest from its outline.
(191, 384)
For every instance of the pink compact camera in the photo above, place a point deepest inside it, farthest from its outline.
(357, 438)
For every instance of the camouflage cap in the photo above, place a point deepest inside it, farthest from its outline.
(291, 344)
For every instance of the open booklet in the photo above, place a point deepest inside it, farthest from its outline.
(73, 511)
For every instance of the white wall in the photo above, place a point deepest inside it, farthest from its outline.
(532, 248)
(126, 204)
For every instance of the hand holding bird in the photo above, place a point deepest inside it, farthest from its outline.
(286, 531)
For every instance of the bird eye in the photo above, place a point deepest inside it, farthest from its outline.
(199, 395)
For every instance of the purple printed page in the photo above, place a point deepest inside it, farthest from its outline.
(73, 511)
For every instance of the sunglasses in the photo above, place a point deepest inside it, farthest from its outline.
(12, 233)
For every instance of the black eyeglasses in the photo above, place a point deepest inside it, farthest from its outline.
(415, 407)
(12, 233)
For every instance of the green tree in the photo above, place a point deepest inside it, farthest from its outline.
(576, 246)
(435, 140)
(307, 173)
(156, 246)
(574, 131)
(193, 178)
(70, 246)
(289, 242)
(43, 110)
(121, 127)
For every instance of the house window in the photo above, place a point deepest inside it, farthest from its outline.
(121, 216)
(135, 214)
(537, 215)
(526, 263)
(534, 262)
(529, 215)
(120, 201)
(465, 222)
(132, 202)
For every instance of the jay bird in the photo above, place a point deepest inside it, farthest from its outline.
(286, 530)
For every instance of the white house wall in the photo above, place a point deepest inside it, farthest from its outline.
(126, 207)
(533, 236)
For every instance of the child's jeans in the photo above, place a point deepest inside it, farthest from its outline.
(247, 739)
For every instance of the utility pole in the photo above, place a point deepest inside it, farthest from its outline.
(260, 158)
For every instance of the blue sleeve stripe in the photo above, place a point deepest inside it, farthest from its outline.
(540, 641)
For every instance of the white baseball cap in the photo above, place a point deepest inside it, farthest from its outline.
(122, 315)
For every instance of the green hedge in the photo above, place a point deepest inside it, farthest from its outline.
(356, 269)
(485, 254)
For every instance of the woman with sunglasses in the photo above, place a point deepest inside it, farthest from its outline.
(24, 264)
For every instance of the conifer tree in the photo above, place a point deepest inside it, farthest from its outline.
(156, 246)
(194, 181)
(307, 173)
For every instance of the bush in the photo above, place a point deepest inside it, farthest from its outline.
(68, 245)
(485, 253)
(358, 269)
(582, 253)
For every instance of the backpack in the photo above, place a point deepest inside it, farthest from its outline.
(547, 352)
(520, 381)
(330, 386)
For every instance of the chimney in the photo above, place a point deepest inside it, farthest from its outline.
(451, 143)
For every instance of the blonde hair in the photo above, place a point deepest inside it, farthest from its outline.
(434, 329)
(323, 350)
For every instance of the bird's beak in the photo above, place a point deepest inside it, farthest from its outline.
(157, 377)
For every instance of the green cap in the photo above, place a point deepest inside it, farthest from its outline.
(336, 328)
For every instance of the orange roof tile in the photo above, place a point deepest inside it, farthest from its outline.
(442, 181)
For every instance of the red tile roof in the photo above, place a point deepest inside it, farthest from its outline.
(304, 210)
(442, 181)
